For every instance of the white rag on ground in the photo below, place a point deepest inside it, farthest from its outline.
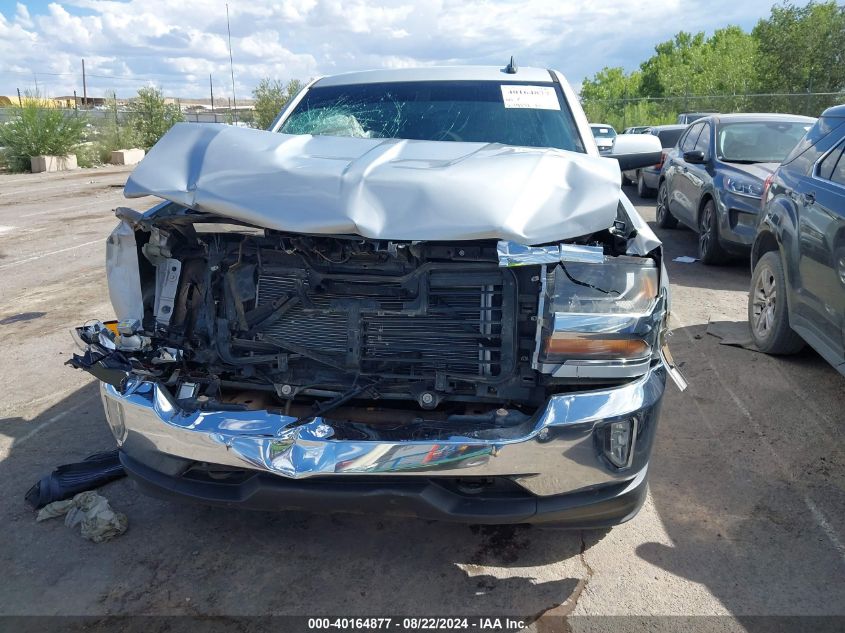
(90, 510)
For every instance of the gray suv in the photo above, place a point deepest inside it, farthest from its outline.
(713, 179)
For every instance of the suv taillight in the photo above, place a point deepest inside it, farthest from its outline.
(766, 186)
(663, 154)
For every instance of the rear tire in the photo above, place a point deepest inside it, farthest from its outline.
(768, 313)
(643, 190)
(665, 219)
(710, 250)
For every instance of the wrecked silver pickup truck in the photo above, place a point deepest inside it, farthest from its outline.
(421, 293)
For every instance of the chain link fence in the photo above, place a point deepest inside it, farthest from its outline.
(628, 112)
(109, 116)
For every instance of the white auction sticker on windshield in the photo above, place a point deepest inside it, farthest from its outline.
(533, 97)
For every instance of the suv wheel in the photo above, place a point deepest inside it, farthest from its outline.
(665, 219)
(710, 251)
(643, 190)
(767, 311)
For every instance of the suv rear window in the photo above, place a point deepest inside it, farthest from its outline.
(473, 111)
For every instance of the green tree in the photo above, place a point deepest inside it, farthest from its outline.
(688, 72)
(611, 97)
(802, 49)
(724, 64)
(37, 129)
(151, 116)
(271, 95)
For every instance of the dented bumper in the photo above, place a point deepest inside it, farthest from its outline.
(558, 451)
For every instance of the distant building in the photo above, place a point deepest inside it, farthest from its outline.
(75, 101)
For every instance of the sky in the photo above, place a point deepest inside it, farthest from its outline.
(176, 44)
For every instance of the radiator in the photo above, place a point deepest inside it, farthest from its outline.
(460, 331)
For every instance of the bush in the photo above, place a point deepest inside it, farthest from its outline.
(36, 130)
(151, 117)
(87, 155)
(112, 135)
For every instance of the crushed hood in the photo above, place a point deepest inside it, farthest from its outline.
(381, 188)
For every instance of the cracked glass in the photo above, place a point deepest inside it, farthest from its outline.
(471, 111)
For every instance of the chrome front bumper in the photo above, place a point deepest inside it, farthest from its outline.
(555, 452)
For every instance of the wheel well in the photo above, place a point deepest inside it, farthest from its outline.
(765, 242)
(704, 200)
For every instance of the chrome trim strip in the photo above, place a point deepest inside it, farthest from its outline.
(541, 308)
(672, 369)
(598, 369)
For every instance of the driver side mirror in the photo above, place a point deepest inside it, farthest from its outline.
(696, 156)
(634, 151)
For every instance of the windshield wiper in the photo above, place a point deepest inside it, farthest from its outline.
(746, 161)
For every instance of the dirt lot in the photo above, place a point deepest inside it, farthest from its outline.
(746, 514)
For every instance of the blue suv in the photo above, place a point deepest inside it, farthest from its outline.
(798, 255)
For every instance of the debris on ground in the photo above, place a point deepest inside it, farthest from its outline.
(90, 510)
(70, 479)
(685, 259)
(733, 333)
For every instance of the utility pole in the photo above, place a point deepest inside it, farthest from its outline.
(211, 89)
(75, 102)
(20, 101)
(84, 87)
(231, 67)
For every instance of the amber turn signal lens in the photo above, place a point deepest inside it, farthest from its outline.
(111, 326)
(579, 347)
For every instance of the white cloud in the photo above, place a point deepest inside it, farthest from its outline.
(22, 16)
(178, 44)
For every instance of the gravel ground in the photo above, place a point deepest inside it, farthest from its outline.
(746, 514)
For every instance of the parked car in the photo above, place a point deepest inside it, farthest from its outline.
(646, 178)
(346, 313)
(637, 129)
(604, 135)
(686, 118)
(712, 181)
(798, 256)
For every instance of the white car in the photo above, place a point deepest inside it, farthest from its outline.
(421, 292)
(605, 135)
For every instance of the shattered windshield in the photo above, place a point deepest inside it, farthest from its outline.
(512, 113)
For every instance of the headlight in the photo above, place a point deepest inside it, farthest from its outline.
(601, 311)
(742, 187)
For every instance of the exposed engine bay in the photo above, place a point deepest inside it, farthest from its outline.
(238, 316)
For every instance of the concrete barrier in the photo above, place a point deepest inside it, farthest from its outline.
(126, 156)
(38, 164)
